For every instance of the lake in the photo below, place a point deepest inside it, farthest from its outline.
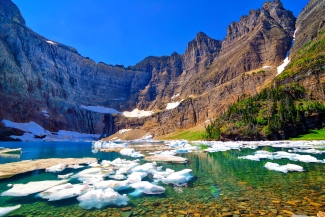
(222, 185)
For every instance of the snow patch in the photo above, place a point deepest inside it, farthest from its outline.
(100, 109)
(175, 96)
(266, 67)
(136, 113)
(30, 127)
(123, 131)
(286, 61)
(50, 42)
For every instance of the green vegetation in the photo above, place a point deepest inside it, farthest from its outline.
(284, 107)
(312, 135)
(186, 134)
(311, 57)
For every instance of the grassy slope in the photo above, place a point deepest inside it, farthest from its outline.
(190, 134)
(312, 135)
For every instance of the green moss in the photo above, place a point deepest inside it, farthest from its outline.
(312, 135)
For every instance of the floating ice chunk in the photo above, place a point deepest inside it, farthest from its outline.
(88, 171)
(130, 152)
(117, 176)
(91, 178)
(276, 167)
(9, 185)
(100, 198)
(250, 157)
(5, 210)
(309, 151)
(19, 190)
(108, 145)
(294, 167)
(65, 176)
(136, 177)
(115, 185)
(178, 178)
(95, 164)
(75, 166)
(148, 188)
(147, 167)
(284, 168)
(64, 191)
(56, 168)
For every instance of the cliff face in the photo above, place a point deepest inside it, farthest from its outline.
(310, 22)
(37, 74)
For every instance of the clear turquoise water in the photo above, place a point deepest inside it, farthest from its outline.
(223, 184)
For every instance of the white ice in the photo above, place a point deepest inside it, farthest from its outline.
(75, 166)
(175, 96)
(136, 113)
(284, 168)
(19, 190)
(50, 42)
(115, 185)
(100, 109)
(172, 105)
(30, 127)
(178, 178)
(56, 168)
(136, 177)
(131, 153)
(147, 187)
(107, 145)
(123, 131)
(64, 191)
(5, 210)
(100, 198)
(65, 176)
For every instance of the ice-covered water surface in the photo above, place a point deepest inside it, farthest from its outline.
(220, 181)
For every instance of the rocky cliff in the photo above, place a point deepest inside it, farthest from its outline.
(38, 74)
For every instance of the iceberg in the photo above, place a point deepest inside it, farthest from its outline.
(5, 210)
(56, 168)
(147, 188)
(284, 168)
(115, 185)
(19, 190)
(178, 178)
(64, 191)
(131, 153)
(100, 198)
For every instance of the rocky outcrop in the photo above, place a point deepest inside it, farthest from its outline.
(310, 22)
(37, 74)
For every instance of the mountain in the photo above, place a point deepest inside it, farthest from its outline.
(40, 76)
(294, 101)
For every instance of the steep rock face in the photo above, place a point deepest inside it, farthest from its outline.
(37, 74)
(261, 38)
(310, 22)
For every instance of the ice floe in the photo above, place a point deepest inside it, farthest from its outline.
(280, 155)
(19, 190)
(100, 198)
(136, 113)
(56, 168)
(147, 188)
(65, 176)
(5, 210)
(64, 191)
(108, 145)
(115, 185)
(131, 153)
(178, 178)
(284, 168)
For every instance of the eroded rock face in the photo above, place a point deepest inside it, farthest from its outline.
(38, 74)
(310, 22)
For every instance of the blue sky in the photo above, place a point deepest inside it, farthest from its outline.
(127, 31)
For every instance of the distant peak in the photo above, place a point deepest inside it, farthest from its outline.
(201, 34)
(272, 4)
(11, 11)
